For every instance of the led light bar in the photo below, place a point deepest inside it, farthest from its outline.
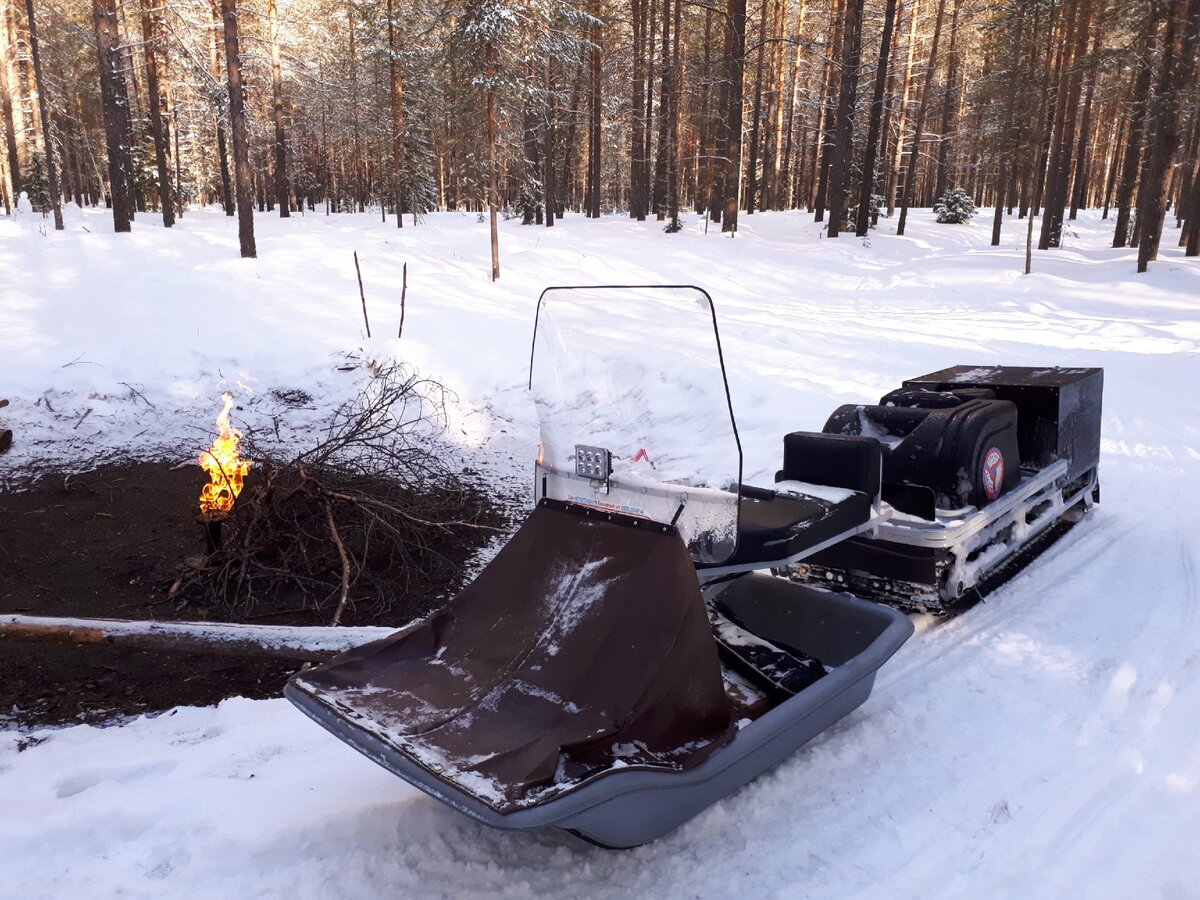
(592, 462)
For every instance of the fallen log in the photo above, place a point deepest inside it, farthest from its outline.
(301, 643)
(6, 435)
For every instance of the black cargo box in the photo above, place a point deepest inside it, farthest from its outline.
(1058, 409)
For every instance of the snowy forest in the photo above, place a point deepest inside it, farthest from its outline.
(446, 442)
(846, 108)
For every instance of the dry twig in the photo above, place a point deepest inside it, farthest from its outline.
(341, 549)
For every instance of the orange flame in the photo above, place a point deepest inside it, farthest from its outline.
(226, 470)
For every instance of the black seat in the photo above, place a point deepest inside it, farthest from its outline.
(829, 483)
(773, 527)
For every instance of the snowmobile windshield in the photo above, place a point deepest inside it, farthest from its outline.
(634, 410)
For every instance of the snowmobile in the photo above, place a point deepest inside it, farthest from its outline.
(625, 660)
(981, 469)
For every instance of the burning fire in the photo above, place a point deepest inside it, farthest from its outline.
(226, 470)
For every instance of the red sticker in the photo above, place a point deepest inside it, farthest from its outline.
(993, 473)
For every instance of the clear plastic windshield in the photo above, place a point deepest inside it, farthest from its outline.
(634, 410)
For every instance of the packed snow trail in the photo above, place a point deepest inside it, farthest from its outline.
(1044, 744)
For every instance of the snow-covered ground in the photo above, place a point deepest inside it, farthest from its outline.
(1046, 743)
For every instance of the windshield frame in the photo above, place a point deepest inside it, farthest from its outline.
(712, 314)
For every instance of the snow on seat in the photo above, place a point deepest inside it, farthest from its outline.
(794, 518)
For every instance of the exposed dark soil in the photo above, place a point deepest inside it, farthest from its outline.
(110, 543)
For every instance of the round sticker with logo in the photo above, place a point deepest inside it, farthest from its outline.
(993, 473)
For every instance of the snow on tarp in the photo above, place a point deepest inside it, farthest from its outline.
(583, 645)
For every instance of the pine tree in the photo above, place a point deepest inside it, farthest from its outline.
(955, 207)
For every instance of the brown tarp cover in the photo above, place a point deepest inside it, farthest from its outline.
(582, 645)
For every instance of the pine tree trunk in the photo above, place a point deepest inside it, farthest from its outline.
(26, 82)
(1180, 39)
(863, 222)
(123, 67)
(493, 227)
(396, 104)
(647, 189)
(282, 194)
(1190, 167)
(92, 186)
(703, 184)
(902, 122)
(10, 130)
(637, 101)
(735, 66)
(664, 104)
(1191, 228)
(566, 177)
(1189, 202)
(773, 145)
(1007, 175)
(594, 129)
(756, 116)
(214, 66)
(886, 149)
(150, 40)
(358, 186)
(44, 115)
(548, 152)
(1083, 146)
(1079, 23)
(828, 139)
(237, 125)
(910, 177)
(532, 200)
(786, 194)
(1051, 75)
(673, 157)
(11, 46)
(1116, 153)
(1139, 100)
(108, 43)
(839, 182)
(720, 165)
(949, 108)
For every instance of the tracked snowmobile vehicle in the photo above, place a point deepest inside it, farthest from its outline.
(624, 662)
(981, 468)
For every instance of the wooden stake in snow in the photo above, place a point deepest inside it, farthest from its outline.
(361, 295)
(403, 292)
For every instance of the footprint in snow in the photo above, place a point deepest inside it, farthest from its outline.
(1000, 813)
(89, 778)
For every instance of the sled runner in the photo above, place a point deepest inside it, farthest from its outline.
(616, 669)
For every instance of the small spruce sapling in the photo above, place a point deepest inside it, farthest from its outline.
(955, 207)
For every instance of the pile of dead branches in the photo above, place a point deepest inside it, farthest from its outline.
(362, 520)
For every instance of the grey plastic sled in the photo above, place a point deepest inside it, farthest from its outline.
(616, 668)
(628, 806)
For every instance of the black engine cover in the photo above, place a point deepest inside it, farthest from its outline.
(946, 457)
